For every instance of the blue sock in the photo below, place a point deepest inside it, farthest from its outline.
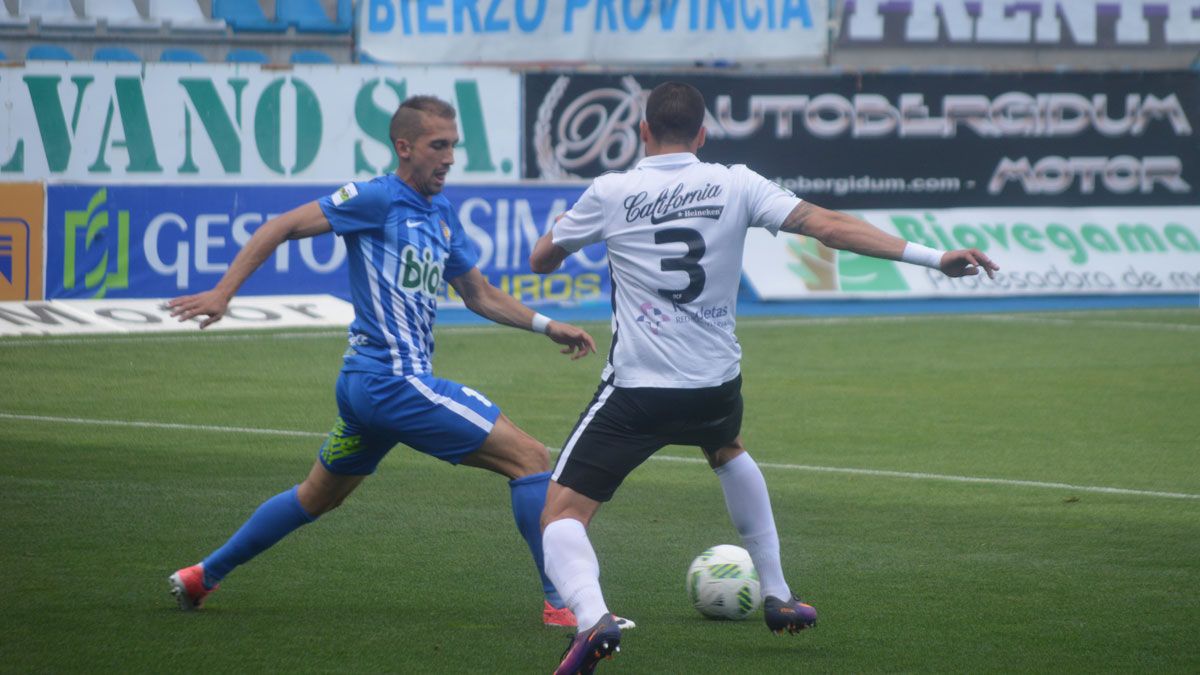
(528, 500)
(274, 520)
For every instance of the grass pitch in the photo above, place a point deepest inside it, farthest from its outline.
(1014, 493)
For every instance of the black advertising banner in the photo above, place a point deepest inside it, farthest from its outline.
(886, 140)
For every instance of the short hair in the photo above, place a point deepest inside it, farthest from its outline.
(675, 112)
(408, 122)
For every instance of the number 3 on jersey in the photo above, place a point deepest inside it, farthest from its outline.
(689, 262)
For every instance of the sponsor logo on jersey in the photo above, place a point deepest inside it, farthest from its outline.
(674, 203)
(420, 272)
(712, 212)
(344, 194)
(718, 316)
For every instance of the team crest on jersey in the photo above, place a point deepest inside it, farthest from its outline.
(445, 230)
(344, 194)
(652, 318)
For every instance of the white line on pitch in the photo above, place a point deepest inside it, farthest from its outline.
(911, 475)
(949, 478)
(161, 425)
(1117, 323)
(50, 340)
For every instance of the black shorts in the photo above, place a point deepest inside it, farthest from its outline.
(622, 427)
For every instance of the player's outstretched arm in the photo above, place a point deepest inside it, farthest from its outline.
(848, 233)
(547, 256)
(300, 222)
(490, 302)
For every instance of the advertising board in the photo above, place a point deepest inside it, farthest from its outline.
(593, 31)
(1070, 24)
(200, 123)
(22, 210)
(156, 241)
(1093, 251)
(880, 140)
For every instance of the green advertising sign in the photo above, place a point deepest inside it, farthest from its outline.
(214, 122)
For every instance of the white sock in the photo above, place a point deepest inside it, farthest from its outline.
(749, 507)
(572, 565)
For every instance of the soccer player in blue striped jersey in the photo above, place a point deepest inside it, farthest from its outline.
(403, 238)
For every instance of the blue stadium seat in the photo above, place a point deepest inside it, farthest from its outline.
(48, 53)
(308, 16)
(115, 54)
(246, 56)
(310, 56)
(180, 56)
(245, 15)
(3, 57)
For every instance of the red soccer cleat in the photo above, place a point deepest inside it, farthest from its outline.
(557, 616)
(187, 585)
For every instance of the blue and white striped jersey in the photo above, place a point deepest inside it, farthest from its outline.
(399, 247)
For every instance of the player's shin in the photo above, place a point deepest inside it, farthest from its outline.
(528, 500)
(275, 519)
(572, 565)
(749, 507)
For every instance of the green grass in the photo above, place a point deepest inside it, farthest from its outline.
(422, 570)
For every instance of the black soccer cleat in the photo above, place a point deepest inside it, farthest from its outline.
(790, 615)
(591, 646)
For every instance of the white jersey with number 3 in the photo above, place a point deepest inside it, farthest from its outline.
(675, 229)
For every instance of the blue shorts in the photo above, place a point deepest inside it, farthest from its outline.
(375, 412)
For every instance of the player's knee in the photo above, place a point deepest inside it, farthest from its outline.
(335, 503)
(317, 501)
(318, 505)
(718, 457)
(530, 457)
(567, 505)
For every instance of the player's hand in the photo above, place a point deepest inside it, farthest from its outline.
(576, 340)
(209, 304)
(966, 262)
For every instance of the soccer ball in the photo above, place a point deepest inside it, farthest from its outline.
(723, 584)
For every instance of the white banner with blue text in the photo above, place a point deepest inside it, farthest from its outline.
(593, 31)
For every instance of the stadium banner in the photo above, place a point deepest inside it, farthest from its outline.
(203, 123)
(1054, 251)
(125, 315)
(887, 140)
(1059, 24)
(22, 214)
(593, 31)
(156, 241)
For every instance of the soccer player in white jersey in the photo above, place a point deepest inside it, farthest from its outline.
(675, 229)
(403, 237)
